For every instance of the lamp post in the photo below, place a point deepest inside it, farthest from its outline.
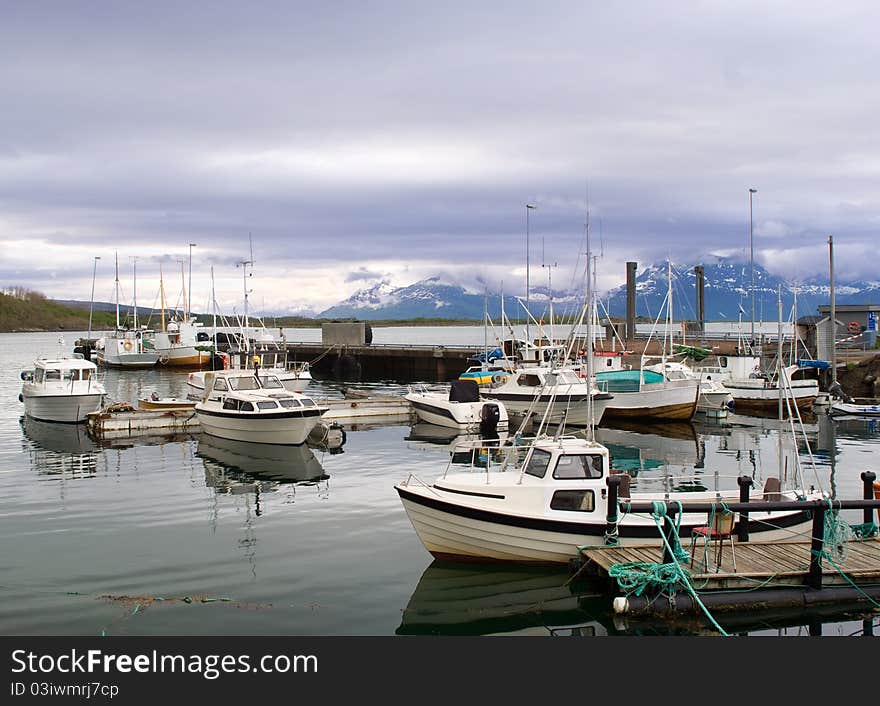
(752, 264)
(190, 285)
(92, 298)
(529, 207)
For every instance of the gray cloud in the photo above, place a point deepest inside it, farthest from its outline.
(405, 139)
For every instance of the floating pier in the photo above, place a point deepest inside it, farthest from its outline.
(830, 569)
(124, 420)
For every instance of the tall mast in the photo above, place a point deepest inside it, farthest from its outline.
(833, 311)
(752, 264)
(135, 289)
(162, 295)
(117, 290)
(589, 303)
(183, 287)
(529, 207)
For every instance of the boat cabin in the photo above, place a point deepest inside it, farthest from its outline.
(66, 370)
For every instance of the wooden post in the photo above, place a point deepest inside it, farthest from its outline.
(744, 483)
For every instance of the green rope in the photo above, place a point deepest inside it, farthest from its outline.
(636, 577)
(825, 555)
(866, 530)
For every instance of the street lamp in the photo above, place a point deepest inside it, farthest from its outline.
(752, 263)
(529, 207)
(92, 298)
(190, 285)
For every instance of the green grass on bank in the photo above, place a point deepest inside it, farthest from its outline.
(24, 310)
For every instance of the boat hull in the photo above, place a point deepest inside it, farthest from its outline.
(755, 395)
(129, 360)
(69, 409)
(435, 409)
(291, 428)
(667, 401)
(456, 532)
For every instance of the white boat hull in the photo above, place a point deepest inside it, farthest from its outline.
(285, 428)
(758, 394)
(71, 409)
(127, 360)
(457, 532)
(465, 416)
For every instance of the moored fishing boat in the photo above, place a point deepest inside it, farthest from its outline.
(64, 389)
(243, 406)
(546, 499)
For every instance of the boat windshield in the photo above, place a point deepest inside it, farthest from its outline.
(537, 465)
(564, 377)
(270, 382)
(245, 382)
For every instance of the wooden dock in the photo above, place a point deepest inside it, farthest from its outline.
(769, 576)
(766, 564)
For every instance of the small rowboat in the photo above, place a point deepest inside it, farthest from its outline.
(165, 403)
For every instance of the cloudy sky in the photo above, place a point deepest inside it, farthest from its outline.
(360, 141)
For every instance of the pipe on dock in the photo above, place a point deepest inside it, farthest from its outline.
(758, 600)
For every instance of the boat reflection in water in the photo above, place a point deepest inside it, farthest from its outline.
(236, 467)
(60, 451)
(463, 448)
(468, 599)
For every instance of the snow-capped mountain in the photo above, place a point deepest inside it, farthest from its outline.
(727, 292)
(430, 298)
(727, 287)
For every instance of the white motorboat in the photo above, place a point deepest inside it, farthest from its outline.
(531, 391)
(240, 405)
(461, 407)
(547, 499)
(64, 389)
(646, 394)
(840, 408)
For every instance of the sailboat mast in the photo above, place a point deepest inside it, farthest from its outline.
(752, 263)
(162, 295)
(589, 303)
(135, 290)
(117, 290)
(833, 312)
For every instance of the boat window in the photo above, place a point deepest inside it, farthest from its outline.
(246, 407)
(268, 404)
(537, 465)
(568, 377)
(39, 375)
(230, 403)
(289, 402)
(573, 500)
(609, 363)
(53, 375)
(307, 402)
(220, 385)
(527, 380)
(86, 373)
(69, 374)
(579, 466)
(247, 382)
(270, 382)
(722, 361)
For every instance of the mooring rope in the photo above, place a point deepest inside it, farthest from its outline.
(636, 577)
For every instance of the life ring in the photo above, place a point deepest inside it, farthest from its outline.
(127, 345)
(498, 378)
(853, 327)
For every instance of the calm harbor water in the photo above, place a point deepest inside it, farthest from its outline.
(196, 536)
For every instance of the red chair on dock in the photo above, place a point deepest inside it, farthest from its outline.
(718, 529)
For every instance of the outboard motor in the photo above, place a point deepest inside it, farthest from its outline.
(490, 415)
